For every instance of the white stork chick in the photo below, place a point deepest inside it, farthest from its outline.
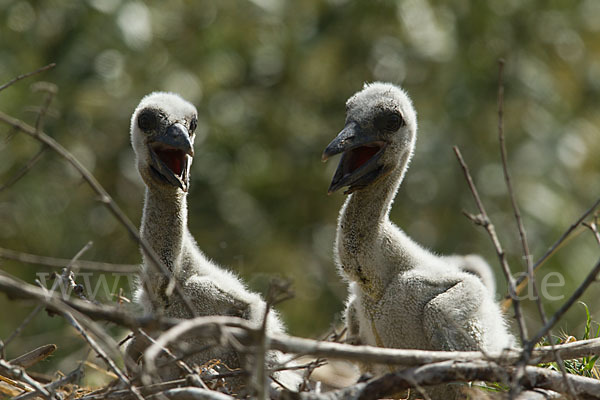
(401, 295)
(162, 136)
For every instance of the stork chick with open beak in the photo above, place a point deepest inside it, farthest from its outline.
(166, 145)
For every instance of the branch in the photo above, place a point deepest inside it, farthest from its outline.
(24, 170)
(207, 326)
(105, 198)
(19, 373)
(590, 278)
(27, 75)
(521, 228)
(561, 240)
(489, 227)
(102, 354)
(73, 376)
(9, 254)
(190, 393)
(144, 390)
(453, 371)
(20, 289)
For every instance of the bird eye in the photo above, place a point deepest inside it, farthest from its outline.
(193, 125)
(147, 120)
(389, 122)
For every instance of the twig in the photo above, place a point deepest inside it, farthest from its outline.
(18, 330)
(118, 315)
(484, 221)
(559, 242)
(13, 132)
(180, 363)
(34, 356)
(71, 377)
(76, 257)
(105, 199)
(27, 75)
(189, 393)
(51, 91)
(24, 170)
(593, 226)
(62, 262)
(590, 278)
(528, 347)
(511, 194)
(241, 329)
(102, 354)
(451, 371)
(19, 373)
(144, 390)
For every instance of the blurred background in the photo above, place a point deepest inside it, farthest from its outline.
(270, 79)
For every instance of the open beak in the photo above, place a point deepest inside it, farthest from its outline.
(361, 151)
(171, 156)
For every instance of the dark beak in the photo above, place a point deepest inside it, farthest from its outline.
(359, 165)
(177, 137)
(171, 154)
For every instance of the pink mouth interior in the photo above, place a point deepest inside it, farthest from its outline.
(174, 159)
(359, 156)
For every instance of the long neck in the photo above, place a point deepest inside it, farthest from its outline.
(164, 223)
(367, 210)
(364, 233)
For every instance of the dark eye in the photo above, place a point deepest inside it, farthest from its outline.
(147, 120)
(389, 122)
(193, 125)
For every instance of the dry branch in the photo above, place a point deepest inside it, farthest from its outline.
(208, 326)
(34, 356)
(9, 254)
(522, 281)
(19, 373)
(105, 199)
(27, 75)
(483, 220)
(456, 371)
(590, 278)
(190, 393)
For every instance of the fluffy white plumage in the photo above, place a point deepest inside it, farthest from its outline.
(162, 135)
(401, 295)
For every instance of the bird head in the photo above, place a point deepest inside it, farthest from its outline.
(162, 135)
(378, 137)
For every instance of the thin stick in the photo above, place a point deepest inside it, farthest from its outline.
(20, 328)
(62, 262)
(593, 226)
(19, 373)
(561, 239)
(189, 393)
(448, 371)
(105, 199)
(528, 347)
(27, 75)
(180, 363)
(213, 327)
(34, 356)
(71, 377)
(484, 221)
(144, 390)
(511, 193)
(24, 169)
(103, 355)
(590, 278)
(51, 91)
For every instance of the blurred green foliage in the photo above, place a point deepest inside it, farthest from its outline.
(270, 79)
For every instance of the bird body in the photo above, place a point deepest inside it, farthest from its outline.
(400, 294)
(162, 135)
